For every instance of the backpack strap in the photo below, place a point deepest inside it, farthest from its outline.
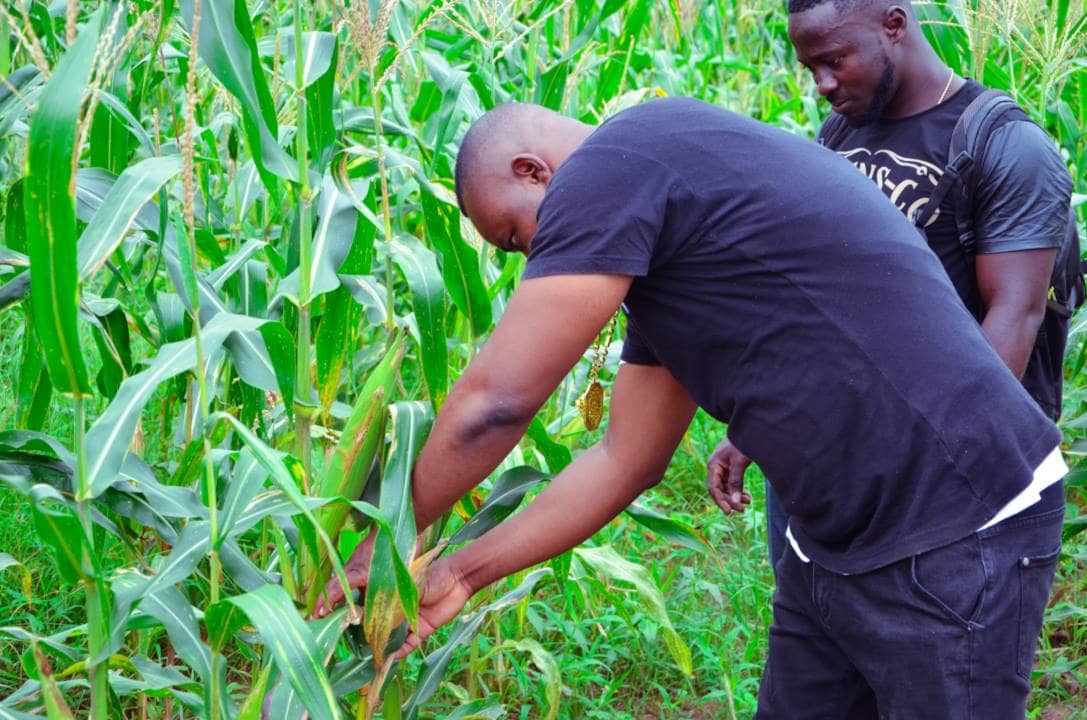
(969, 139)
(831, 133)
(966, 153)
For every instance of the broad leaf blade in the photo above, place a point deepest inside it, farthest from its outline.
(428, 301)
(460, 263)
(50, 213)
(292, 646)
(132, 190)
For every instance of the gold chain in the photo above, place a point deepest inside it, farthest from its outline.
(946, 87)
(591, 402)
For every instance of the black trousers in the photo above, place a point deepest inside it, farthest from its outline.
(948, 634)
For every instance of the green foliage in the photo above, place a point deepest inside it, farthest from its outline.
(264, 377)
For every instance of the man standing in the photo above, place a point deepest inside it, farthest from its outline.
(896, 104)
(848, 368)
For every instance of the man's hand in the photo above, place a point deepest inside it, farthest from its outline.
(725, 477)
(443, 596)
(357, 570)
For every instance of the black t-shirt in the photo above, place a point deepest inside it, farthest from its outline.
(794, 302)
(1021, 201)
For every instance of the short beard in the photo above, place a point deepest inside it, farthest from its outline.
(880, 99)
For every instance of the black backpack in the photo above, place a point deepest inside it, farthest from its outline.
(988, 111)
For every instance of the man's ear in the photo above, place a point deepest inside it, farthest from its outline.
(896, 22)
(529, 166)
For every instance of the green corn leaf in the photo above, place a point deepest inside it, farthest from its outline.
(552, 87)
(57, 525)
(168, 500)
(411, 423)
(671, 530)
(453, 105)
(292, 646)
(272, 461)
(228, 47)
(240, 568)
(334, 342)
(482, 709)
(420, 269)
(109, 146)
(108, 440)
(254, 701)
(245, 483)
(123, 118)
(349, 465)
(505, 497)
(235, 262)
(319, 57)
(33, 388)
(460, 263)
(606, 562)
(112, 339)
(280, 345)
(464, 631)
(170, 608)
(131, 587)
(15, 214)
(331, 238)
(132, 190)
(7, 713)
(556, 454)
(369, 293)
(251, 357)
(285, 701)
(222, 620)
(50, 213)
(17, 91)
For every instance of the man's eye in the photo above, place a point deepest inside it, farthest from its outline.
(835, 62)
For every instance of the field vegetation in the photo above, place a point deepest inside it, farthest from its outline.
(234, 289)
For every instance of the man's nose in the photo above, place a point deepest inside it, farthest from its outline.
(825, 82)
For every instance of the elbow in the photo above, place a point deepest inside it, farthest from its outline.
(650, 479)
(491, 413)
(1024, 315)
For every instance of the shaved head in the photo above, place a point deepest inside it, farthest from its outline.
(492, 135)
(504, 164)
(845, 6)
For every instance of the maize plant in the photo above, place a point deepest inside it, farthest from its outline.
(238, 288)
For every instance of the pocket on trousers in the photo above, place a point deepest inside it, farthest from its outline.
(1035, 581)
(952, 578)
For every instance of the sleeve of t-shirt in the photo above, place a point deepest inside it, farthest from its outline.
(1023, 191)
(602, 214)
(635, 349)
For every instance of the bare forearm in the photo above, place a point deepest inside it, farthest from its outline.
(470, 438)
(1012, 333)
(581, 500)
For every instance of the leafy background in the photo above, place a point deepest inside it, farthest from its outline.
(234, 288)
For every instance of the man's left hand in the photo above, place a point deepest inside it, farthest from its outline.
(725, 477)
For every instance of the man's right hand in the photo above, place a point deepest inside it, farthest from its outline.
(357, 570)
(725, 477)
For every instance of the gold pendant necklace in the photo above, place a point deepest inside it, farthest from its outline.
(591, 402)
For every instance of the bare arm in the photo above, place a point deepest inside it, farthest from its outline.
(546, 327)
(1013, 288)
(649, 413)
